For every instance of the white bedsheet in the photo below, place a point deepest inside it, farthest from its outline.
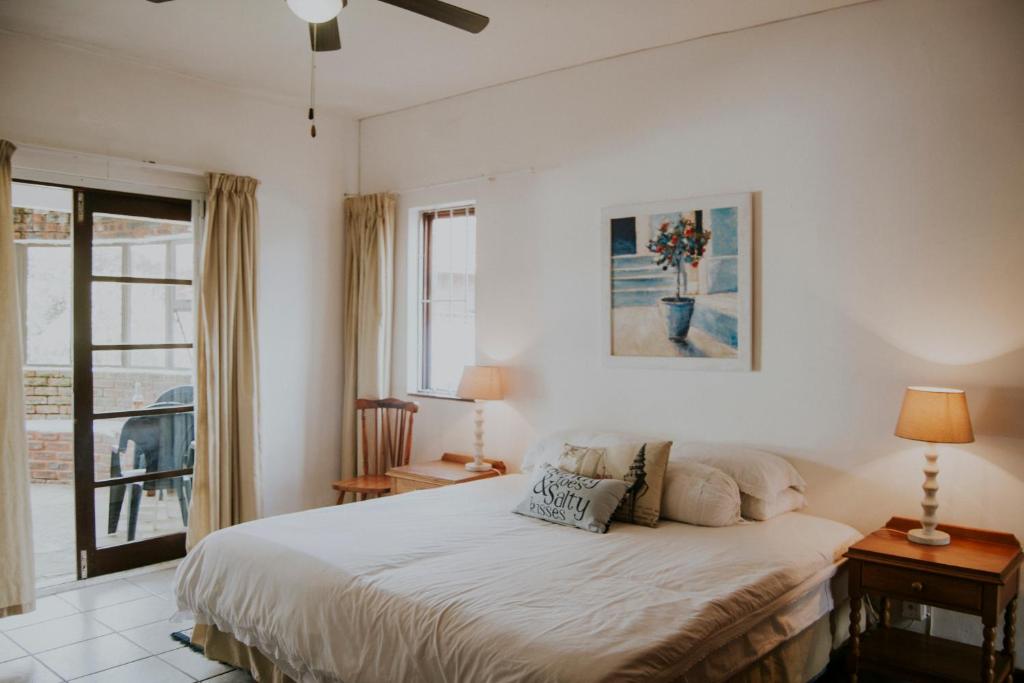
(448, 585)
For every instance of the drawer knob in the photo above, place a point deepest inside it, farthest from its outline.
(917, 586)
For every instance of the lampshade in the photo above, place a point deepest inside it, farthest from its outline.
(315, 11)
(935, 415)
(481, 383)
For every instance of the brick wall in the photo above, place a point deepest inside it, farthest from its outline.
(33, 224)
(30, 224)
(41, 225)
(50, 457)
(47, 394)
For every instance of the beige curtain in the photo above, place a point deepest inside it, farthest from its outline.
(227, 472)
(369, 299)
(17, 572)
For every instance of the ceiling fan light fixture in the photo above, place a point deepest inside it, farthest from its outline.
(315, 11)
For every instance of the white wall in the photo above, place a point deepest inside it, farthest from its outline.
(68, 98)
(886, 144)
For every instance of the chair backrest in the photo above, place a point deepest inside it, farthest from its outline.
(181, 394)
(162, 442)
(385, 427)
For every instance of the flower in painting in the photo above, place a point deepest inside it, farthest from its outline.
(679, 244)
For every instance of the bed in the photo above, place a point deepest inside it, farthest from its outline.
(447, 584)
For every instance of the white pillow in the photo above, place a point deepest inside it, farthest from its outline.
(696, 493)
(756, 508)
(758, 473)
(549, 448)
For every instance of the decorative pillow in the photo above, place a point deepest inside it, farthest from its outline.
(572, 500)
(759, 509)
(758, 473)
(696, 493)
(549, 448)
(640, 465)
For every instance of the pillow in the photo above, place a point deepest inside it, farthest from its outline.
(758, 473)
(549, 448)
(572, 500)
(759, 509)
(640, 465)
(699, 494)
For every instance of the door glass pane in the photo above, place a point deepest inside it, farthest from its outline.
(143, 444)
(116, 389)
(150, 248)
(142, 314)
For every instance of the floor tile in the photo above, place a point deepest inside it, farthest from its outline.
(8, 649)
(47, 608)
(155, 638)
(104, 595)
(56, 633)
(150, 670)
(194, 664)
(158, 583)
(236, 676)
(26, 670)
(128, 615)
(91, 656)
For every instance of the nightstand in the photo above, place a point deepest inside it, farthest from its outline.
(977, 573)
(450, 469)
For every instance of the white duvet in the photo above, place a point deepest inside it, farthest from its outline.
(449, 585)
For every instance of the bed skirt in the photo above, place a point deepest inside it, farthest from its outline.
(797, 660)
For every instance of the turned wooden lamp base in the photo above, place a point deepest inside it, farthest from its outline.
(928, 534)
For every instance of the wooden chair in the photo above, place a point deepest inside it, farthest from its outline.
(385, 440)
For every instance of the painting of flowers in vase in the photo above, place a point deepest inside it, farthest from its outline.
(679, 283)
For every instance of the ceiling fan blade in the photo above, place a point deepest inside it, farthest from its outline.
(159, 0)
(325, 37)
(445, 13)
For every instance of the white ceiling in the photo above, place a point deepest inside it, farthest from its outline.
(391, 58)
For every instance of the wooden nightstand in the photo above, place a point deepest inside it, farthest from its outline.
(450, 469)
(977, 573)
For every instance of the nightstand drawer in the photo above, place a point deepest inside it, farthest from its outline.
(919, 586)
(406, 485)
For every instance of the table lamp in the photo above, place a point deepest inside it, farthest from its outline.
(933, 415)
(480, 383)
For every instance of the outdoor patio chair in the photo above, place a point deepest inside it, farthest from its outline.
(181, 394)
(162, 443)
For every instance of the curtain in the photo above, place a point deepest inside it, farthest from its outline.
(17, 571)
(369, 299)
(226, 487)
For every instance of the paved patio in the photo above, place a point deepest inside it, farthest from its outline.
(53, 527)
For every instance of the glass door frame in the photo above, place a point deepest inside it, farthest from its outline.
(92, 560)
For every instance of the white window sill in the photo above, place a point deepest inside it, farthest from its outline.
(444, 397)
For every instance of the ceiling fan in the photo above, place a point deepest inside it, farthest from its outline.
(322, 16)
(324, 35)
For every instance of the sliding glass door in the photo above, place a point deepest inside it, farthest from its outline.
(133, 365)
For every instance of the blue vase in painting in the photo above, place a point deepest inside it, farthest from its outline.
(678, 313)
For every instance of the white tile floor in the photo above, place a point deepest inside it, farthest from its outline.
(117, 631)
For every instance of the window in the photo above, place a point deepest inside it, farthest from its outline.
(446, 334)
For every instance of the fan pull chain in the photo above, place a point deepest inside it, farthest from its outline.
(312, 86)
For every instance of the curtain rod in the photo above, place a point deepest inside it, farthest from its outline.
(108, 160)
(490, 177)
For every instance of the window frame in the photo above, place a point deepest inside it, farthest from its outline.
(420, 359)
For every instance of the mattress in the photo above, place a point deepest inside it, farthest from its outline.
(448, 585)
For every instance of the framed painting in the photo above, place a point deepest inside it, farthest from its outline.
(678, 283)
